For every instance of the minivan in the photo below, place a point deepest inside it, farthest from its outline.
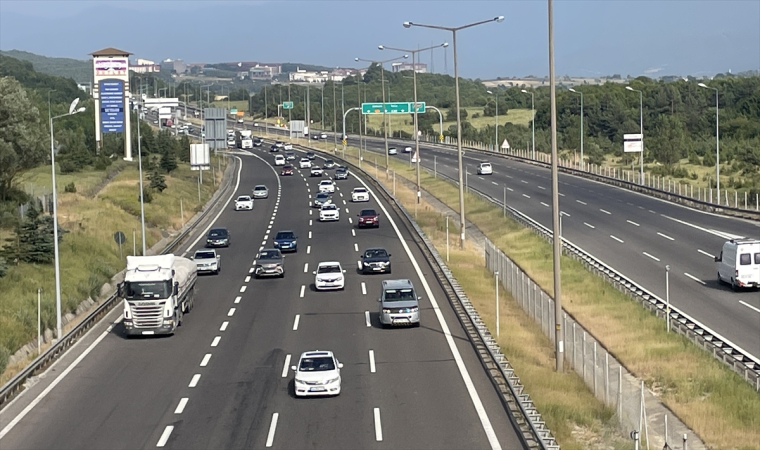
(399, 304)
(739, 263)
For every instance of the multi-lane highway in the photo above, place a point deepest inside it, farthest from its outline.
(223, 381)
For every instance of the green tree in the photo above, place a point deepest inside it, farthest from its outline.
(169, 157)
(33, 239)
(183, 149)
(23, 137)
(451, 115)
(157, 180)
(73, 153)
(668, 145)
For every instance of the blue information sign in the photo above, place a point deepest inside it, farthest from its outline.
(112, 106)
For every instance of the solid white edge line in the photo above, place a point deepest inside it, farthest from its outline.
(474, 396)
(165, 435)
(303, 289)
(216, 340)
(194, 381)
(695, 278)
(181, 405)
(372, 361)
(272, 428)
(295, 322)
(378, 426)
(286, 366)
(367, 319)
(205, 360)
(749, 306)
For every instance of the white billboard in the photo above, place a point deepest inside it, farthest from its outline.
(633, 143)
(199, 157)
(164, 113)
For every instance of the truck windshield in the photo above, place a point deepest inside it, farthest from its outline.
(137, 290)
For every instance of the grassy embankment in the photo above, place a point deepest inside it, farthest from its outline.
(89, 256)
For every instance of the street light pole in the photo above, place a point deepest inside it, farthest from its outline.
(414, 105)
(641, 125)
(454, 30)
(496, 138)
(56, 257)
(583, 162)
(717, 140)
(533, 123)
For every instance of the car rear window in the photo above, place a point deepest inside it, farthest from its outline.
(745, 259)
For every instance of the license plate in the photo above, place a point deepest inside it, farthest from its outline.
(317, 389)
(404, 321)
(377, 268)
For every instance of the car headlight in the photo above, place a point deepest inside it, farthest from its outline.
(366, 263)
(299, 381)
(386, 311)
(332, 380)
(415, 309)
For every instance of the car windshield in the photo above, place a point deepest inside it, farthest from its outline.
(329, 206)
(290, 154)
(340, 170)
(304, 159)
(270, 254)
(399, 295)
(147, 289)
(375, 253)
(314, 167)
(260, 188)
(323, 196)
(368, 212)
(217, 233)
(285, 235)
(326, 183)
(316, 364)
(244, 198)
(359, 190)
(329, 269)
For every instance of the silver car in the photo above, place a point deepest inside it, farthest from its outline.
(270, 263)
(399, 304)
(260, 191)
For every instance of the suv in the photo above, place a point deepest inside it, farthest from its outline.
(375, 260)
(269, 263)
(286, 240)
(218, 237)
(341, 173)
(368, 218)
(399, 303)
(207, 261)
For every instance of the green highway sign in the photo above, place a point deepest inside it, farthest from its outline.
(287, 105)
(233, 110)
(392, 108)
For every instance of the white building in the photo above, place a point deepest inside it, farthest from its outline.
(402, 66)
(264, 71)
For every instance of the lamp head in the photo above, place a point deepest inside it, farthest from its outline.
(406, 56)
(445, 44)
(629, 88)
(380, 47)
(73, 105)
(572, 90)
(407, 24)
(702, 85)
(80, 110)
(525, 91)
(489, 92)
(499, 19)
(356, 59)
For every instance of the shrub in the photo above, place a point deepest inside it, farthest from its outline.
(71, 187)
(147, 195)
(5, 355)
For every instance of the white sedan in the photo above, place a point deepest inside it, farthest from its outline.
(329, 211)
(329, 275)
(317, 373)
(327, 186)
(244, 203)
(359, 194)
(304, 163)
(407, 149)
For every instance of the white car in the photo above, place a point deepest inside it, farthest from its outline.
(240, 120)
(359, 194)
(327, 186)
(288, 146)
(279, 160)
(244, 203)
(317, 373)
(392, 151)
(329, 275)
(407, 149)
(304, 163)
(485, 169)
(329, 211)
(323, 136)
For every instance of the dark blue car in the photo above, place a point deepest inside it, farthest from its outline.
(286, 241)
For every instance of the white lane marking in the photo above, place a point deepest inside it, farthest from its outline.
(582, 203)
(588, 225)
(346, 210)
(266, 236)
(508, 176)
(286, 366)
(372, 361)
(271, 222)
(310, 222)
(353, 232)
(378, 426)
(310, 211)
(526, 195)
(721, 234)
(633, 223)
(630, 204)
(364, 288)
(546, 204)
(213, 222)
(617, 239)
(224, 326)
(60, 378)
(482, 179)
(216, 340)
(464, 373)
(242, 288)
(356, 247)
(309, 234)
(653, 212)
(563, 213)
(165, 435)
(665, 236)
(308, 249)
(561, 194)
(272, 428)
(605, 211)
(510, 189)
(653, 257)
(523, 181)
(231, 312)
(749, 306)
(295, 322)
(194, 381)
(494, 183)
(261, 248)
(269, 227)
(695, 279)
(705, 253)
(541, 187)
(237, 299)
(205, 360)
(350, 221)
(344, 202)
(181, 405)
(366, 319)
(305, 267)
(303, 288)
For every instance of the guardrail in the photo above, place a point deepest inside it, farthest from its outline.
(523, 412)
(16, 384)
(739, 361)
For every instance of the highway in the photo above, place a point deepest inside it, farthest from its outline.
(223, 381)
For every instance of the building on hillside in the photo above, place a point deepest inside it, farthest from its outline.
(144, 66)
(264, 71)
(305, 76)
(403, 66)
(339, 73)
(173, 65)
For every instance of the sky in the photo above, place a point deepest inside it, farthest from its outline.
(592, 38)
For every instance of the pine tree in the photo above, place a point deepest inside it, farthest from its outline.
(169, 159)
(33, 240)
(157, 180)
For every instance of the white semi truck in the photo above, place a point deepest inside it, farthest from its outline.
(246, 139)
(157, 291)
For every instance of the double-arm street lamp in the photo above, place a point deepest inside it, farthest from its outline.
(382, 88)
(717, 140)
(72, 110)
(641, 125)
(532, 121)
(583, 164)
(454, 30)
(496, 138)
(414, 76)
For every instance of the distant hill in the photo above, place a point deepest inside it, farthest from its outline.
(63, 89)
(78, 70)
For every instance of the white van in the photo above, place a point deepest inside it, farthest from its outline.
(279, 160)
(739, 263)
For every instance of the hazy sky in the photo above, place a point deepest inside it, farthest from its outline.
(602, 37)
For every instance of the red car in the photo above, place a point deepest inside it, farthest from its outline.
(368, 218)
(287, 169)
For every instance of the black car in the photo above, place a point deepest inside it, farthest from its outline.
(218, 237)
(310, 155)
(257, 142)
(375, 260)
(286, 240)
(341, 174)
(274, 148)
(329, 164)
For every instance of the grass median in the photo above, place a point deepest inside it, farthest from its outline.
(105, 202)
(710, 398)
